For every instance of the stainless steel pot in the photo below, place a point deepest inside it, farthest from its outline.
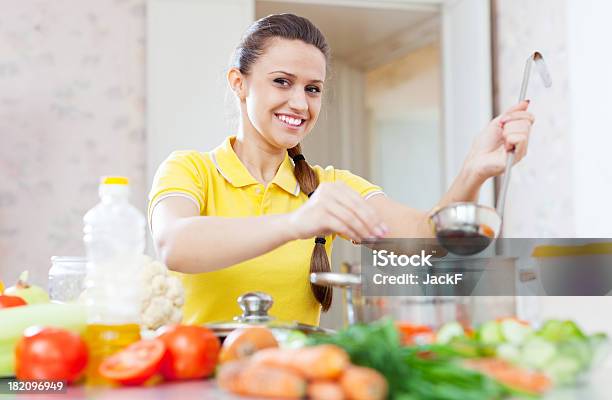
(255, 306)
(433, 311)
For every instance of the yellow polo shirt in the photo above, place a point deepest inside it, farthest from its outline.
(221, 185)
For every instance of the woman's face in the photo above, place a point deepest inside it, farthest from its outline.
(283, 91)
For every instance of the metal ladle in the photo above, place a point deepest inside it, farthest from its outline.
(468, 228)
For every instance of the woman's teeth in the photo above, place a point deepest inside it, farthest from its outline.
(289, 120)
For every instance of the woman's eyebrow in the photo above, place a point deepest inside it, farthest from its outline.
(293, 76)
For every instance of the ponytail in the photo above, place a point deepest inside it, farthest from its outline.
(319, 262)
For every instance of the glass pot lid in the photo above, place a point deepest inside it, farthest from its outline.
(255, 306)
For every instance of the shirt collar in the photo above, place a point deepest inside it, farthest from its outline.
(233, 170)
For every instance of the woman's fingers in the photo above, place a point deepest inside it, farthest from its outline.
(347, 218)
(362, 210)
(345, 212)
(516, 133)
(351, 218)
(519, 142)
(337, 225)
(517, 115)
(521, 106)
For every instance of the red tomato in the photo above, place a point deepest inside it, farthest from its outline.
(192, 352)
(50, 354)
(7, 301)
(135, 364)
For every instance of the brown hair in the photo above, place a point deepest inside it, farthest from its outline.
(253, 45)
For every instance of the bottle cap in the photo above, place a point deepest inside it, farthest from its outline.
(114, 180)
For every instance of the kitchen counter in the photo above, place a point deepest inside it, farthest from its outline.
(600, 388)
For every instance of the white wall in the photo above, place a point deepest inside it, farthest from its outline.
(190, 43)
(72, 104)
(589, 88)
(561, 189)
(590, 96)
(539, 201)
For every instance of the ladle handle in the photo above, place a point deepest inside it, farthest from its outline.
(510, 155)
(505, 182)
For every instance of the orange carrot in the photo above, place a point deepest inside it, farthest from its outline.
(276, 357)
(511, 375)
(265, 381)
(244, 342)
(324, 361)
(228, 375)
(361, 383)
(325, 390)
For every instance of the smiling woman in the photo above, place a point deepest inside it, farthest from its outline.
(253, 214)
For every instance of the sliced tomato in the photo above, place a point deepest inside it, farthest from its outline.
(7, 301)
(135, 364)
(469, 331)
(415, 334)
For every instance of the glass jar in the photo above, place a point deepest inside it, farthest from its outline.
(66, 278)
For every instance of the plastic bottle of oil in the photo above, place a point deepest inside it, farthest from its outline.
(114, 241)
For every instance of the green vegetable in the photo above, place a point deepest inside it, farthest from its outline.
(16, 319)
(537, 352)
(490, 333)
(441, 378)
(556, 331)
(377, 346)
(423, 373)
(560, 348)
(563, 369)
(449, 331)
(509, 352)
(574, 351)
(293, 340)
(514, 331)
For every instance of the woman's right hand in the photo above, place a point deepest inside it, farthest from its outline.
(336, 208)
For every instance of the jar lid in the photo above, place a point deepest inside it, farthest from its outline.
(255, 306)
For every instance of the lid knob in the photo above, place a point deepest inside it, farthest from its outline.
(255, 305)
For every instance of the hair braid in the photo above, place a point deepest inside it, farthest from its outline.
(319, 262)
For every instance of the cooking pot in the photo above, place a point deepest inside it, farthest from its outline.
(255, 306)
(433, 311)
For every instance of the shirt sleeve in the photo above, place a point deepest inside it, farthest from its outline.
(181, 174)
(365, 188)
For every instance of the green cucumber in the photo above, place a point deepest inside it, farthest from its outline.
(449, 331)
(490, 333)
(514, 331)
(556, 331)
(509, 352)
(537, 352)
(563, 370)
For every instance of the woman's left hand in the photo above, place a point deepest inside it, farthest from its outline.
(509, 130)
